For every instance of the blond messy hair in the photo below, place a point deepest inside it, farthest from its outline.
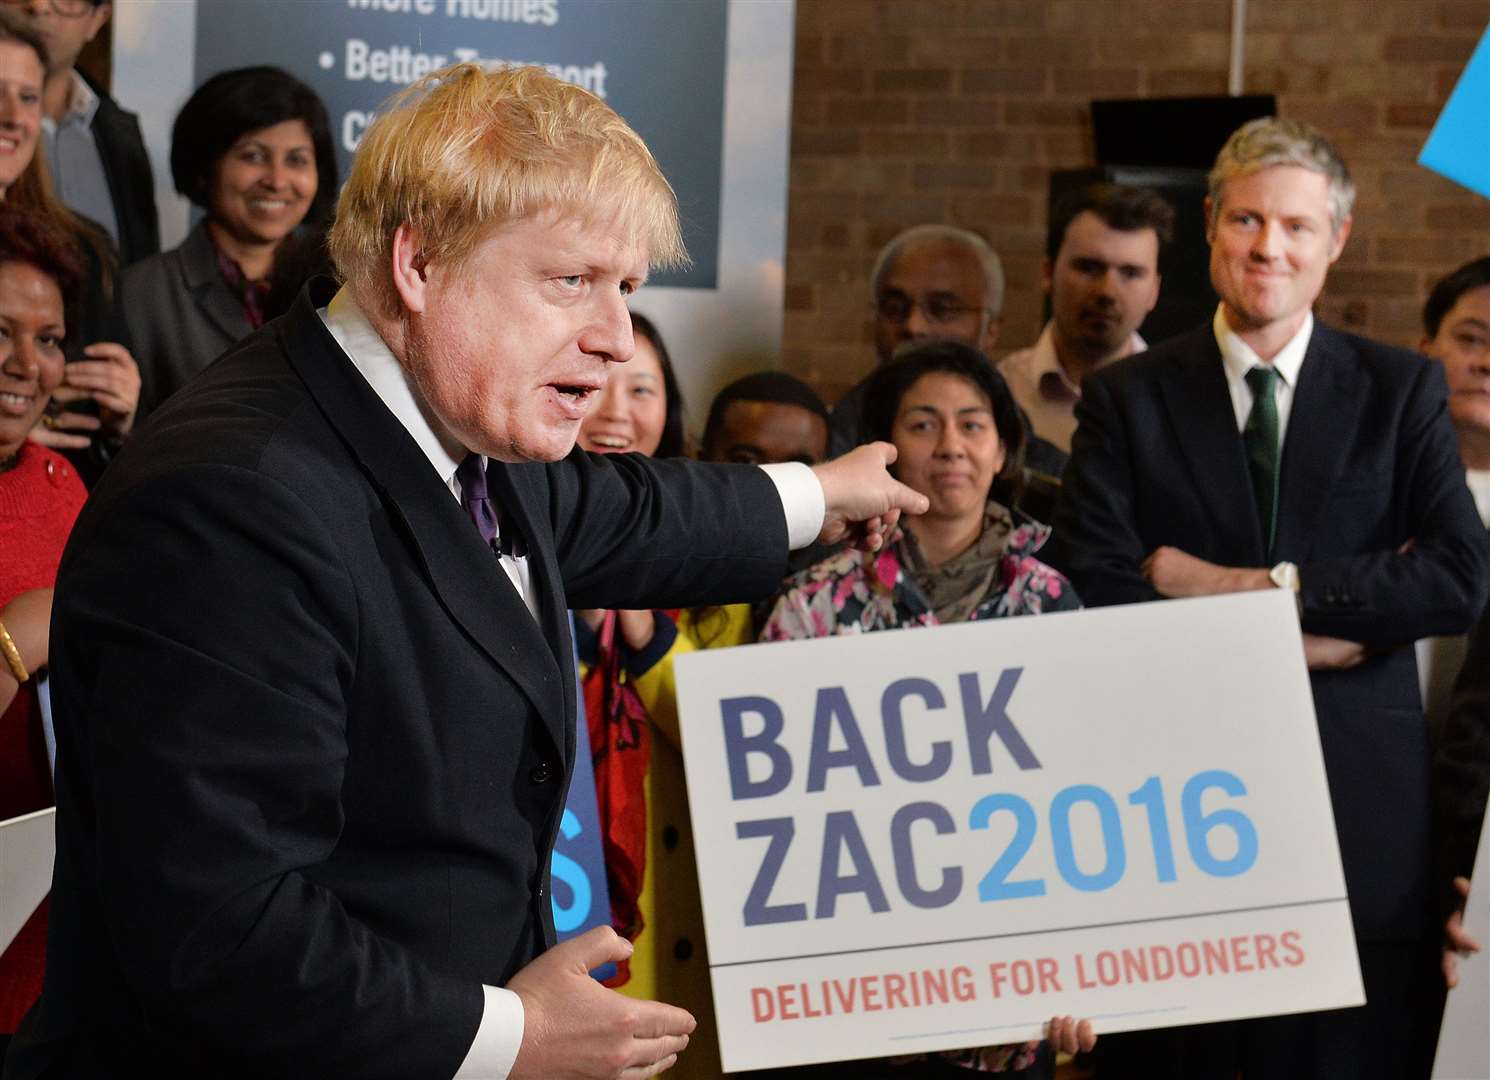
(465, 150)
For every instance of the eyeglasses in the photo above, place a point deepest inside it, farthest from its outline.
(68, 9)
(897, 307)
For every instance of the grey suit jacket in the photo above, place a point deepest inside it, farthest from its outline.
(180, 316)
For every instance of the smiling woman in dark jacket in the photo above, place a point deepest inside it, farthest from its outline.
(252, 147)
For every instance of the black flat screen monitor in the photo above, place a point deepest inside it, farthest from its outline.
(1179, 133)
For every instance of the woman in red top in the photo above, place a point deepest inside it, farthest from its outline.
(40, 496)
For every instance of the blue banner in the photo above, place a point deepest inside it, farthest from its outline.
(580, 897)
(1458, 147)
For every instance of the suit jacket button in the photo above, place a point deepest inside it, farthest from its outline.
(541, 773)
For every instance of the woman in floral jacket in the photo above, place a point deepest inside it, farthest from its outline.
(960, 441)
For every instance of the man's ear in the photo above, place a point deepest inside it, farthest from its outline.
(1047, 274)
(1208, 209)
(410, 277)
(99, 17)
(1342, 234)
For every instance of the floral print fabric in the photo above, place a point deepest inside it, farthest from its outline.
(854, 593)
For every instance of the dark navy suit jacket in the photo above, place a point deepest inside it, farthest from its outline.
(1369, 465)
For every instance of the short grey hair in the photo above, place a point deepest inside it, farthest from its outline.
(1271, 140)
(919, 235)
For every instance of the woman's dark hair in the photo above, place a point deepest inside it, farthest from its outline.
(48, 244)
(673, 436)
(230, 105)
(888, 385)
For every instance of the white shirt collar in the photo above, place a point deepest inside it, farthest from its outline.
(1047, 362)
(82, 103)
(1239, 357)
(388, 379)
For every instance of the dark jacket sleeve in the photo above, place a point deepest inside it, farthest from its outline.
(1437, 585)
(1461, 766)
(1096, 542)
(131, 182)
(207, 638)
(636, 532)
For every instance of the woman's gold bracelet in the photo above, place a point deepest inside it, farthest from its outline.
(13, 656)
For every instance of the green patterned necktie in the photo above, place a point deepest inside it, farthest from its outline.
(1260, 437)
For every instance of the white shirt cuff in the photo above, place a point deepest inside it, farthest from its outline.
(801, 500)
(494, 1049)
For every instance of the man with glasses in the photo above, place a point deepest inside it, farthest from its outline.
(930, 281)
(93, 147)
(942, 282)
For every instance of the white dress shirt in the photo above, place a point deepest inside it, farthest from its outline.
(1239, 358)
(500, 1034)
(1044, 391)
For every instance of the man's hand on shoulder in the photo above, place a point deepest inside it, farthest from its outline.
(576, 1029)
(863, 501)
(1176, 573)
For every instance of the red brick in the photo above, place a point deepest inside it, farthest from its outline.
(868, 111)
(868, 49)
(1374, 282)
(815, 79)
(933, 47)
(952, 175)
(1179, 82)
(1429, 251)
(823, 141)
(985, 210)
(1424, 48)
(1097, 82)
(1452, 218)
(797, 298)
(906, 143)
(808, 49)
(1333, 117)
(1002, 80)
(913, 81)
(1002, 144)
(1418, 116)
(1056, 114)
(1463, 15)
(958, 112)
(1052, 49)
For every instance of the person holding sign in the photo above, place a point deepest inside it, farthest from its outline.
(959, 440)
(1267, 450)
(313, 669)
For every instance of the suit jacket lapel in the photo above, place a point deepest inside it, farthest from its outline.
(462, 570)
(520, 492)
(204, 282)
(1326, 410)
(1199, 405)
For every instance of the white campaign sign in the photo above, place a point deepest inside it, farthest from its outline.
(27, 846)
(936, 838)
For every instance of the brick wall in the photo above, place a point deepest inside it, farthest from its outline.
(907, 111)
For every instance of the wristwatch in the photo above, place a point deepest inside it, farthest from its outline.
(1285, 576)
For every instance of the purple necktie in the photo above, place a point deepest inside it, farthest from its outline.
(473, 496)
